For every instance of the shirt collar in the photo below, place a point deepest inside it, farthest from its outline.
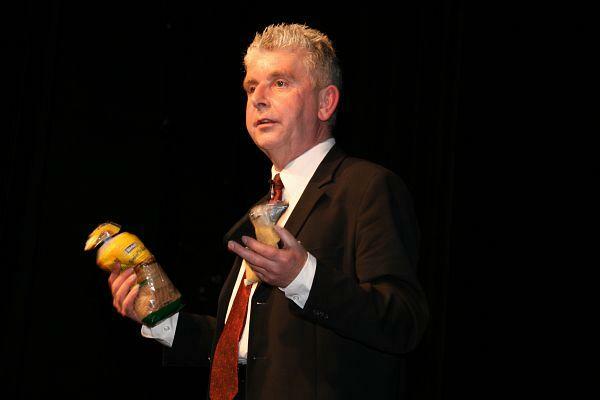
(297, 173)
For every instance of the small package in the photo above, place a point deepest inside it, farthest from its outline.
(157, 297)
(263, 218)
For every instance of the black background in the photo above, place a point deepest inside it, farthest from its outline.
(135, 114)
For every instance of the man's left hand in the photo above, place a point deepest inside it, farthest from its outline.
(277, 267)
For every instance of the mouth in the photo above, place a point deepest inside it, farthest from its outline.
(264, 121)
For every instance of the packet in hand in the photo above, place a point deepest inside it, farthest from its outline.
(263, 218)
(157, 297)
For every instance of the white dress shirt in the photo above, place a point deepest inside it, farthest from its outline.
(295, 176)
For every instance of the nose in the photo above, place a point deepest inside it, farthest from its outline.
(259, 98)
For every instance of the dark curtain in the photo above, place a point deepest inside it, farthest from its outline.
(135, 114)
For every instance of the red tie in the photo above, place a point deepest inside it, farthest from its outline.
(224, 374)
(276, 189)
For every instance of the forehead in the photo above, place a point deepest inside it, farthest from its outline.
(265, 62)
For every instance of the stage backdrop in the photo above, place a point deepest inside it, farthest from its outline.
(135, 114)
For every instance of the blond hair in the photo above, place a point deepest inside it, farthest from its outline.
(320, 56)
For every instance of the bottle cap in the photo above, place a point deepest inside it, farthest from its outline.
(101, 234)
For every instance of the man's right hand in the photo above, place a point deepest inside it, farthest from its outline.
(124, 290)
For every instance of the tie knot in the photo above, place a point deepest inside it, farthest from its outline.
(276, 188)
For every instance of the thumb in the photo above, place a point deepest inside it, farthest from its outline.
(286, 237)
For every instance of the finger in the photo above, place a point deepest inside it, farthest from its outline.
(264, 250)
(113, 275)
(123, 290)
(249, 255)
(262, 277)
(266, 275)
(286, 237)
(114, 272)
(259, 271)
(129, 301)
(116, 284)
(120, 295)
(120, 277)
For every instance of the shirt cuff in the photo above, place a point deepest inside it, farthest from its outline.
(163, 332)
(299, 289)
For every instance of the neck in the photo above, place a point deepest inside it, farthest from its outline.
(281, 159)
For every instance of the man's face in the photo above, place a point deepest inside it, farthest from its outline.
(282, 107)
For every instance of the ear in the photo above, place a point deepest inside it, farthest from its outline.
(328, 101)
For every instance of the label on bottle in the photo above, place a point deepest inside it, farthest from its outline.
(125, 248)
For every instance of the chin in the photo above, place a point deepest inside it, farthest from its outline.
(266, 140)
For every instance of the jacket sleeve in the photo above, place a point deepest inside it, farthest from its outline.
(193, 341)
(376, 301)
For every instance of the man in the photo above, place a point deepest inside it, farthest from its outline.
(339, 300)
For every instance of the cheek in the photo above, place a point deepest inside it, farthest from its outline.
(249, 117)
(303, 105)
(289, 109)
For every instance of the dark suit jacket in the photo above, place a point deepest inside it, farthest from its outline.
(365, 309)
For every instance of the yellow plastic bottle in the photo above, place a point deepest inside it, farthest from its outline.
(157, 298)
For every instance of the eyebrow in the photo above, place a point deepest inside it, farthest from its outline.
(249, 82)
(271, 76)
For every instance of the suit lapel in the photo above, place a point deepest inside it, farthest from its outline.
(225, 295)
(314, 190)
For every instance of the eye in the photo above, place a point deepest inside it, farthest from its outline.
(250, 89)
(280, 83)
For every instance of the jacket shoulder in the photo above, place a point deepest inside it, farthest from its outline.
(363, 170)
